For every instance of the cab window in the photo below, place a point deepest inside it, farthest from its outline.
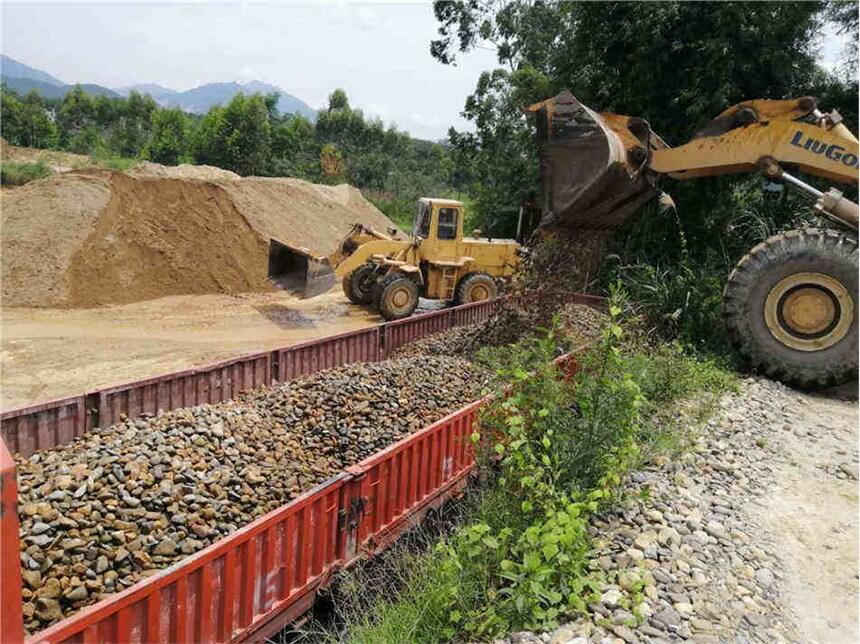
(422, 221)
(447, 223)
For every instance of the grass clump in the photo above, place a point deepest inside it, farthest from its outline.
(14, 173)
(103, 158)
(552, 451)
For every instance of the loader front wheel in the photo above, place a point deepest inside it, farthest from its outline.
(396, 296)
(790, 306)
(359, 284)
(476, 287)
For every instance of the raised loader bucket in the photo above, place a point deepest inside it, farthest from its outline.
(593, 166)
(298, 271)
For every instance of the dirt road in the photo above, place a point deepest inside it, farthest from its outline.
(812, 512)
(49, 353)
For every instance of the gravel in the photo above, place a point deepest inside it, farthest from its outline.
(707, 571)
(128, 500)
(579, 323)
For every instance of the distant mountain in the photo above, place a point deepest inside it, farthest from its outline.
(200, 99)
(11, 68)
(23, 86)
(22, 78)
(157, 92)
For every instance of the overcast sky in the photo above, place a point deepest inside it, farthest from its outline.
(378, 52)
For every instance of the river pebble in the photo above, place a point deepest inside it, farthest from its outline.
(125, 501)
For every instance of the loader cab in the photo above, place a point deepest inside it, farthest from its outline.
(439, 221)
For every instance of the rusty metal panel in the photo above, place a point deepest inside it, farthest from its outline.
(231, 590)
(307, 358)
(474, 313)
(201, 386)
(43, 425)
(400, 332)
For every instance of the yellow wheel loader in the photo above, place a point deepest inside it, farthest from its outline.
(434, 262)
(791, 303)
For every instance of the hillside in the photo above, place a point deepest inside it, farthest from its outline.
(11, 68)
(22, 79)
(24, 86)
(199, 100)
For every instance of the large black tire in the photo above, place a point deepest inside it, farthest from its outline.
(790, 306)
(359, 285)
(475, 287)
(396, 296)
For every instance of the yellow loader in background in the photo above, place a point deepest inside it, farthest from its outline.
(435, 262)
(791, 303)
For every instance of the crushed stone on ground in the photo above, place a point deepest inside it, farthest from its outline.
(125, 501)
(718, 554)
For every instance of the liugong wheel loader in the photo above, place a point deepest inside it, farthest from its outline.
(435, 262)
(791, 303)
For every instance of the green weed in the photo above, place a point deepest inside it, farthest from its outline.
(17, 174)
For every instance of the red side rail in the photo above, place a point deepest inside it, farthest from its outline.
(398, 485)
(251, 584)
(400, 332)
(202, 386)
(307, 358)
(11, 615)
(49, 424)
(475, 312)
(44, 425)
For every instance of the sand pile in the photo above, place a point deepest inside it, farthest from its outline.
(182, 171)
(99, 237)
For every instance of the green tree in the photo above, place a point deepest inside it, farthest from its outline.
(131, 134)
(169, 136)
(236, 137)
(676, 64)
(337, 100)
(294, 148)
(26, 122)
(75, 116)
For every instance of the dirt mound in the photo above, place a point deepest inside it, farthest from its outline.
(183, 171)
(44, 223)
(99, 237)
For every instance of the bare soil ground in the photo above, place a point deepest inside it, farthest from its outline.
(812, 513)
(50, 353)
(57, 161)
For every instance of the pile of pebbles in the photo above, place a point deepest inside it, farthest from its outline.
(690, 564)
(126, 501)
(579, 324)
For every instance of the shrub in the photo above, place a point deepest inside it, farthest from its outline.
(17, 174)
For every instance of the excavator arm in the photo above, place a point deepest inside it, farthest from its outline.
(625, 158)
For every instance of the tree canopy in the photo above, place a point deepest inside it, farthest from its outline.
(676, 64)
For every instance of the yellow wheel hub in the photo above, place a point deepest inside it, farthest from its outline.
(479, 292)
(399, 297)
(809, 311)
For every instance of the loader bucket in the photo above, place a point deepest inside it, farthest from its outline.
(298, 271)
(593, 166)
